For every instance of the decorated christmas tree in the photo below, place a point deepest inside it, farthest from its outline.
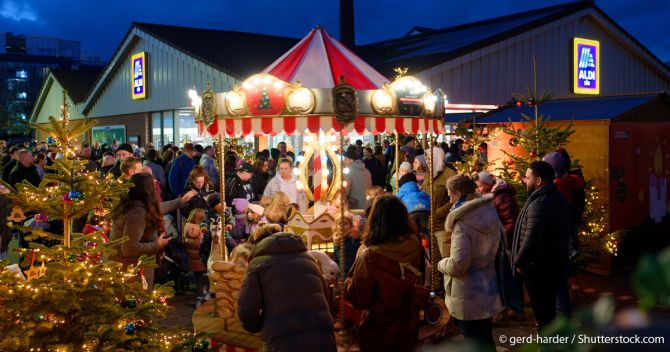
(473, 136)
(67, 297)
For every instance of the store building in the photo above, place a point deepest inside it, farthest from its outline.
(141, 96)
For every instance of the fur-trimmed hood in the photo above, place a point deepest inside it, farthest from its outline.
(475, 208)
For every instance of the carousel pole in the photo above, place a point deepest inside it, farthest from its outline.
(222, 189)
(341, 244)
(431, 220)
(397, 161)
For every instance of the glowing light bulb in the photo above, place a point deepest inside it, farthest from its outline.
(345, 171)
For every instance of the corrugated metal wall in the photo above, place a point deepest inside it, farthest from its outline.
(491, 75)
(53, 102)
(171, 74)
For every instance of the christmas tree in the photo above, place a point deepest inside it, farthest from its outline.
(69, 298)
(473, 160)
(264, 102)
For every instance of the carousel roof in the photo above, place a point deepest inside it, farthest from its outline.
(318, 61)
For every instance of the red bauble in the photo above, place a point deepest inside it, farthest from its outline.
(531, 102)
(532, 155)
(519, 103)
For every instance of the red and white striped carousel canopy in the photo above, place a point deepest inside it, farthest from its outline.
(261, 104)
(318, 61)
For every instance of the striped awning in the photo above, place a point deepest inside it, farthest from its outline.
(300, 124)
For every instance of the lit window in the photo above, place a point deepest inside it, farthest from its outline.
(23, 116)
(22, 74)
(22, 95)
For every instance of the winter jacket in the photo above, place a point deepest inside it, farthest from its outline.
(192, 242)
(383, 281)
(158, 172)
(141, 235)
(441, 198)
(359, 181)
(540, 245)
(470, 283)
(178, 174)
(258, 182)
(235, 188)
(413, 198)
(105, 170)
(284, 296)
(20, 173)
(377, 171)
(350, 248)
(116, 169)
(197, 202)
(504, 200)
(212, 171)
(277, 184)
(7, 169)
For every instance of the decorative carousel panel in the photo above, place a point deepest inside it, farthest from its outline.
(409, 93)
(264, 95)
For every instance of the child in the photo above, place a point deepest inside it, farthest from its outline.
(352, 240)
(192, 236)
(254, 217)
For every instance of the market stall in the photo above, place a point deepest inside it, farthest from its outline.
(322, 91)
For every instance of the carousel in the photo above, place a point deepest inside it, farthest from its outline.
(321, 90)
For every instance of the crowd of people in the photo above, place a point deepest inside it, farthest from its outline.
(175, 196)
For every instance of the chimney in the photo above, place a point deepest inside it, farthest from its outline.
(347, 36)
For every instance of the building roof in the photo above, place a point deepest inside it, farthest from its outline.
(422, 48)
(239, 54)
(574, 109)
(318, 61)
(77, 83)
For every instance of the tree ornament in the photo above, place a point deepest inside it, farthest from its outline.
(531, 102)
(140, 324)
(82, 257)
(16, 215)
(519, 103)
(32, 273)
(201, 345)
(513, 142)
(66, 198)
(92, 286)
(43, 271)
(129, 303)
(71, 258)
(39, 316)
(130, 329)
(162, 300)
(75, 195)
(532, 155)
(41, 218)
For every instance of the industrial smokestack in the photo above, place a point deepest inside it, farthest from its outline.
(347, 36)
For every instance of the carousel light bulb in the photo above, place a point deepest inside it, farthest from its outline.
(296, 171)
(345, 171)
(325, 172)
(298, 185)
(300, 100)
(334, 148)
(266, 81)
(247, 86)
(279, 85)
(333, 138)
(344, 184)
(307, 139)
(192, 94)
(300, 158)
(382, 101)
(429, 102)
(256, 80)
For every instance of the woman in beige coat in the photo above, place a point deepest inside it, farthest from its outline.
(471, 288)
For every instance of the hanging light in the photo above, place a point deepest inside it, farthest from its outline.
(429, 102)
(296, 171)
(345, 171)
(300, 100)
(235, 102)
(383, 101)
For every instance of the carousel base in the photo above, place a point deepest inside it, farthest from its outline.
(229, 336)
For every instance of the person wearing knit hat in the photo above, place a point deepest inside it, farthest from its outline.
(486, 178)
(122, 152)
(556, 161)
(403, 169)
(213, 200)
(420, 167)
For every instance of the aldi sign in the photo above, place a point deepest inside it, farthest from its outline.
(586, 67)
(139, 68)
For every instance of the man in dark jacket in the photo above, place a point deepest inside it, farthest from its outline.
(540, 246)
(9, 165)
(24, 170)
(181, 168)
(122, 152)
(238, 186)
(284, 296)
